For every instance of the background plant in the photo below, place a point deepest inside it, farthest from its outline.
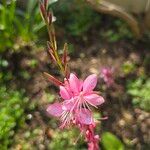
(18, 26)
(12, 104)
(80, 20)
(139, 89)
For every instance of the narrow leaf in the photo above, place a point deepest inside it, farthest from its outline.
(65, 49)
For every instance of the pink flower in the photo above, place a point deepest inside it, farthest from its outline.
(107, 75)
(81, 92)
(77, 97)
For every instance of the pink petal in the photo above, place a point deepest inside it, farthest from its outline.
(74, 83)
(67, 86)
(84, 116)
(68, 105)
(94, 99)
(90, 83)
(55, 109)
(64, 93)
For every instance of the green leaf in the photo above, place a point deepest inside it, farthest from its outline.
(111, 142)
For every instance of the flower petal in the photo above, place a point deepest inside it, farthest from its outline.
(84, 116)
(94, 99)
(90, 83)
(67, 87)
(64, 93)
(55, 109)
(68, 105)
(74, 83)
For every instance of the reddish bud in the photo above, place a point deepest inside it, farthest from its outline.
(42, 9)
(45, 3)
(49, 45)
(52, 79)
(49, 17)
(51, 52)
(52, 56)
(67, 71)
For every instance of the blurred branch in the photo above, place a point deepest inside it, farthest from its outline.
(114, 10)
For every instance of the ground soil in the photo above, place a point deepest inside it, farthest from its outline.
(130, 124)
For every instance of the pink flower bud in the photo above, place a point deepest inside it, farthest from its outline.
(53, 79)
(107, 75)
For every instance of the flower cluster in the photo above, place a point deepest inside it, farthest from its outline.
(77, 96)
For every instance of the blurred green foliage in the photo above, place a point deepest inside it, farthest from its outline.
(128, 67)
(31, 23)
(76, 17)
(5, 75)
(139, 89)
(111, 142)
(17, 25)
(82, 19)
(7, 30)
(12, 105)
(117, 30)
(67, 139)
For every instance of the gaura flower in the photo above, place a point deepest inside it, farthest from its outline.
(107, 75)
(77, 96)
(81, 92)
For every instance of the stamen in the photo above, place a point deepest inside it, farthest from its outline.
(103, 118)
(84, 105)
(74, 105)
(63, 117)
(92, 104)
(87, 105)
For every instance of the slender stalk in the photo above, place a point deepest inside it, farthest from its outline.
(54, 45)
(52, 38)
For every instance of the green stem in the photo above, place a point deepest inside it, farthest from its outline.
(52, 40)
